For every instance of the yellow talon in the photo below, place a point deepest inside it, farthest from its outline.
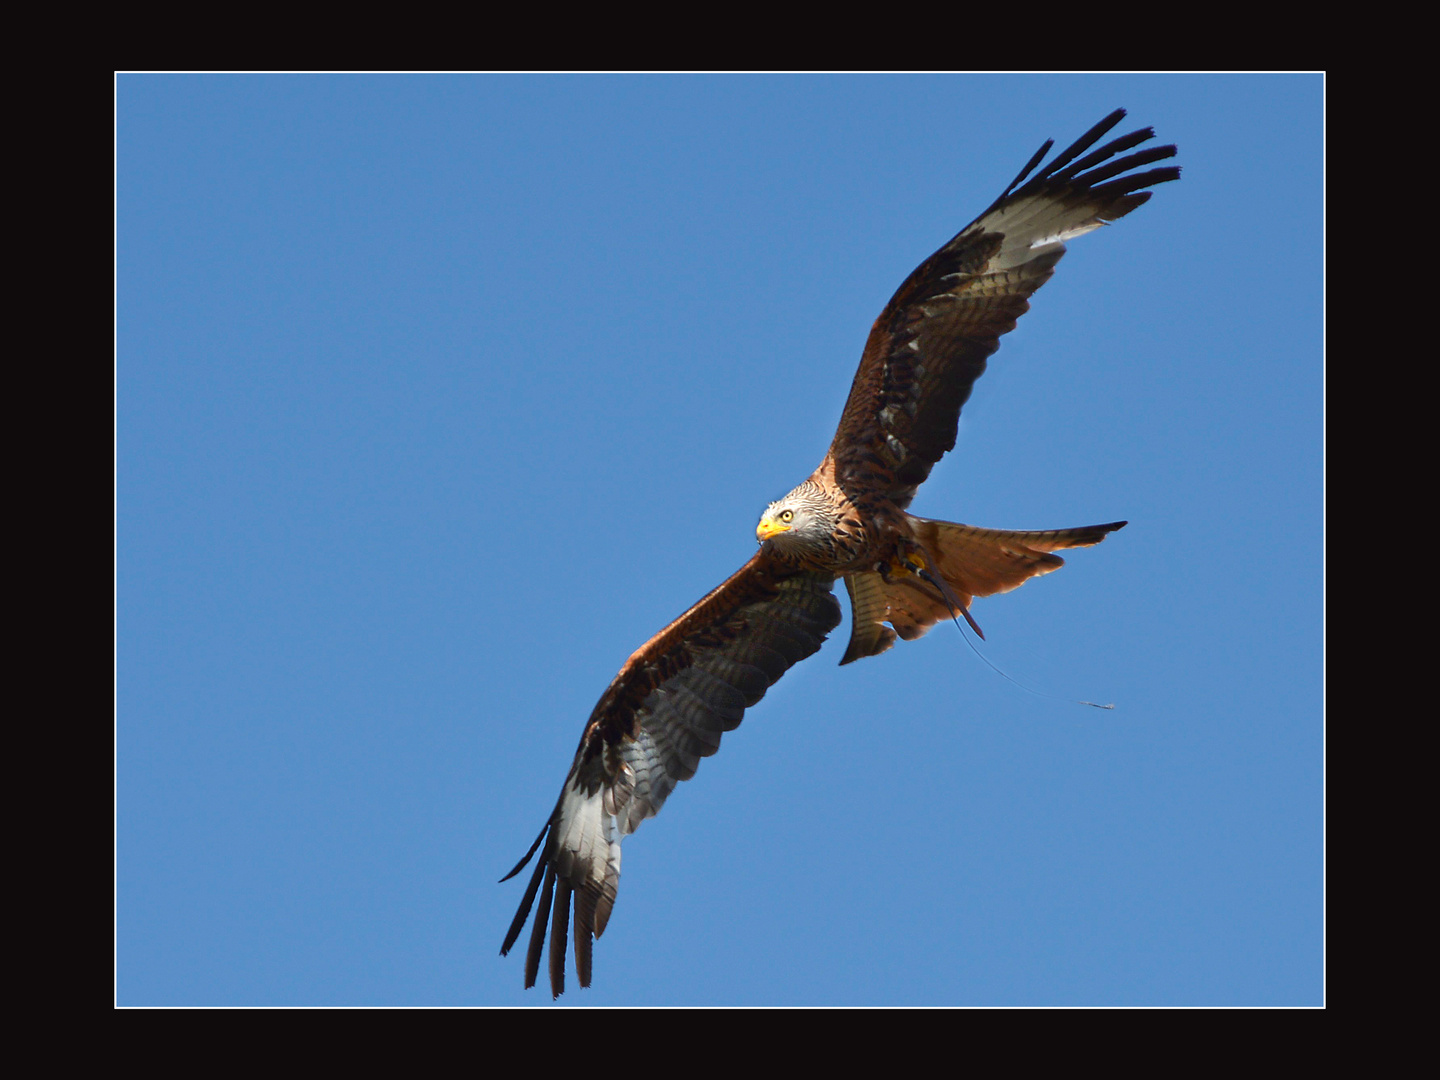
(910, 563)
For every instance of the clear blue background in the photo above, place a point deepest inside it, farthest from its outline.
(437, 396)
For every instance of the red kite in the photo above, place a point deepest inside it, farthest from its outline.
(693, 681)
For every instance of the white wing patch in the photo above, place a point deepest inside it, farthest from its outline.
(587, 840)
(1035, 223)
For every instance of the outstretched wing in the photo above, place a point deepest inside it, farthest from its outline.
(931, 342)
(664, 711)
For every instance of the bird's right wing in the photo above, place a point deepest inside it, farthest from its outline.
(931, 342)
(664, 711)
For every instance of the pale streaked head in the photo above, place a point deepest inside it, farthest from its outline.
(803, 519)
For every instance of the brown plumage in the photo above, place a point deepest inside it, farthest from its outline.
(690, 683)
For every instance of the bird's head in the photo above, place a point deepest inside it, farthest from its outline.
(803, 519)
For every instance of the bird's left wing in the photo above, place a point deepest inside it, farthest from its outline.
(931, 342)
(664, 711)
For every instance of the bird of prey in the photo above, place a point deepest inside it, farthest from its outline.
(690, 683)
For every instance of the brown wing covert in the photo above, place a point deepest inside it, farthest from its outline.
(665, 710)
(933, 339)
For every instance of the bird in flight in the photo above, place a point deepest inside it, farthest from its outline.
(690, 683)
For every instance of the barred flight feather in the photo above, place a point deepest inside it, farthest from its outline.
(987, 273)
(725, 653)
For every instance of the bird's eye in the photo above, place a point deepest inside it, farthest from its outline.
(787, 515)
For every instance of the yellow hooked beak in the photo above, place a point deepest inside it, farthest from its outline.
(769, 527)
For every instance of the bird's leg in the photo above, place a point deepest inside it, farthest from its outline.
(912, 561)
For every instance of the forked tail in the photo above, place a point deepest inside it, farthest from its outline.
(972, 561)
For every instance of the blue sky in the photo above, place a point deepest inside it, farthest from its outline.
(437, 396)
